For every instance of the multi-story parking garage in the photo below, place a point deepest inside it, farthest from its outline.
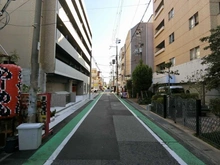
(64, 47)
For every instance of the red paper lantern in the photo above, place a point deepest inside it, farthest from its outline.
(10, 80)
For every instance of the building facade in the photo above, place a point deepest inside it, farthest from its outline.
(138, 46)
(178, 28)
(64, 47)
(97, 81)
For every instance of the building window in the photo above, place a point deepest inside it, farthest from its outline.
(160, 46)
(219, 7)
(171, 14)
(159, 8)
(171, 38)
(194, 20)
(194, 53)
(172, 60)
(160, 66)
(159, 27)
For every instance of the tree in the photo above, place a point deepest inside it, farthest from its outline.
(9, 59)
(212, 75)
(167, 66)
(196, 81)
(129, 87)
(142, 78)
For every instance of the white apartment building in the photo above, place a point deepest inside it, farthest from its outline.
(64, 47)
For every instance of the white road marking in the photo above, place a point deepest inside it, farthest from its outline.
(172, 153)
(61, 146)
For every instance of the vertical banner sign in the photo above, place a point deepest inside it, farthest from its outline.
(10, 81)
(44, 111)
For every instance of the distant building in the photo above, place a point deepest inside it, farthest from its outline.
(138, 46)
(96, 81)
(64, 48)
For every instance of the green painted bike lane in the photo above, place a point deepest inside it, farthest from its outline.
(180, 150)
(44, 152)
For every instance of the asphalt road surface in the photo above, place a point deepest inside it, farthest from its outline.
(109, 131)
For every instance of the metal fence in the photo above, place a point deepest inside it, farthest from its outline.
(188, 112)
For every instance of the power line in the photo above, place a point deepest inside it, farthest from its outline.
(117, 20)
(135, 12)
(7, 17)
(138, 25)
(19, 6)
(113, 7)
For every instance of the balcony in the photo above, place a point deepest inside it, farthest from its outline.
(159, 52)
(159, 9)
(159, 31)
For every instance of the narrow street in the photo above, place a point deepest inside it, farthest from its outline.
(106, 132)
(112, 135)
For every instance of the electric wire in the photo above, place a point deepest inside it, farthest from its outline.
(135, 13)
(127, 47)
(117, 20)
(19, 6)
(138, 26)
(7, 17)
(113, 7)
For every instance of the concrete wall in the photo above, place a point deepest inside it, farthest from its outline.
(60, 99)
(19, 37)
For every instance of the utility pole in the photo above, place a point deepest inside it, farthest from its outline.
(116, 68)
(90, 77)
(113, 77)
(116, 59)
(117, 42)
(32, 109)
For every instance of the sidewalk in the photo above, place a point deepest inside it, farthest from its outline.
(63, 112)
(183, 134)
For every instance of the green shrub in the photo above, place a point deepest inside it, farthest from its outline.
(214, 106)
(189, 95)
(157, 98)
(144, 101)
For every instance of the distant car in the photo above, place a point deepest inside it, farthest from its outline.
(94, 90)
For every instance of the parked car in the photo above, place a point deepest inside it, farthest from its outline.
(123, 94)
(173, 90)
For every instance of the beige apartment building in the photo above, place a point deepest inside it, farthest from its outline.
(64, 47)
(96, 80)
(178, 28)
